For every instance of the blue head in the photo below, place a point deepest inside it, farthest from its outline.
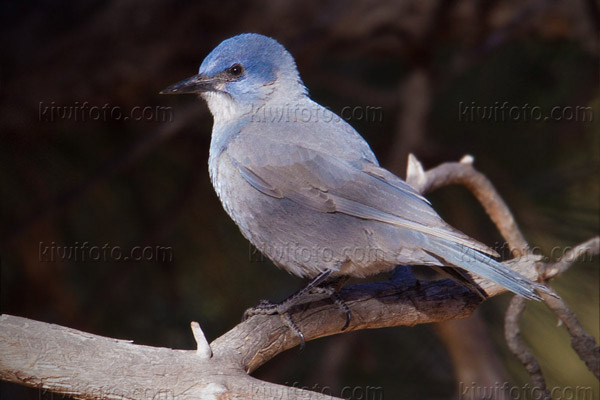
(244, 71)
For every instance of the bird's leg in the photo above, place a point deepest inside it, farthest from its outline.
(265, 307)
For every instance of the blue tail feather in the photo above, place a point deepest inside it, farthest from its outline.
(480, 264)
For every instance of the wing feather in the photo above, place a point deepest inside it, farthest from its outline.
(324, 181)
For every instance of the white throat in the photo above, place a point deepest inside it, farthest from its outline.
(223, 107)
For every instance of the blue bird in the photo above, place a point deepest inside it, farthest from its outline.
(305, 188)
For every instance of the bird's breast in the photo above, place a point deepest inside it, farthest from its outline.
(236, 196)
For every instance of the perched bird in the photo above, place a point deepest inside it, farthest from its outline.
(305, 188)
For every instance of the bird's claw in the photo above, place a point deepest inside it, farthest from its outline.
(311, 292)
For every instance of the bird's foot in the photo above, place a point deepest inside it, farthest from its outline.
(266, 307)
(312, 292)
(304, 295)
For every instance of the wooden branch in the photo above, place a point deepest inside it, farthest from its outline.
(87, 366)
(582, 342)
(92, 367)
(520, 349)
(463, 173)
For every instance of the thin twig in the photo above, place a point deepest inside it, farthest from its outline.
(589, 248)
(482, 188)
(463, 173)
(518, 347)
(582, 342)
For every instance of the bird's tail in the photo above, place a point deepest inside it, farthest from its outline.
(457, 255)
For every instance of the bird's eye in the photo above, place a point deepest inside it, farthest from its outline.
(235, 70)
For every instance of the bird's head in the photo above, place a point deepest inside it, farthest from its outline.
(244, 72)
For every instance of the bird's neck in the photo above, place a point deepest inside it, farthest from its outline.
(224, 108)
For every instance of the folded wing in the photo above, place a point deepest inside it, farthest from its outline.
(328, 183)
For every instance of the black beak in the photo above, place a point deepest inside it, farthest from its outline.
(196, 84)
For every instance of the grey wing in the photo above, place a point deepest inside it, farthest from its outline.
(327, 183)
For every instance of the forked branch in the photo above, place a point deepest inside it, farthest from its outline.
(87, 366)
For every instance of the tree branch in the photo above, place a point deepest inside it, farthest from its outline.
(520, 349)
(91, 367)
(582, 342)
(463, 173)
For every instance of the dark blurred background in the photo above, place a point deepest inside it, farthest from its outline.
(126, 183)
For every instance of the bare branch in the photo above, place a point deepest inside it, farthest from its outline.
(463, 173)
(516, 345)
(86, 366)
(203, 350)
(589, 248)
(582, 342)
(375, 305)
(90, 367)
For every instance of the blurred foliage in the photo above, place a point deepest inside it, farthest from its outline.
(132, 183)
